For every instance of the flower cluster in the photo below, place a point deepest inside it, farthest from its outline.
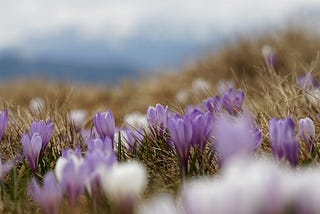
(245, 186)
(35, 144)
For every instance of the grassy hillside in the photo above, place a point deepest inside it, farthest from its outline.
(271, 91)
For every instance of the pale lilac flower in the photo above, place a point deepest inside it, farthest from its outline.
(31, 149)
(72, 175)
(105, 124)
(100, 154)
(45, 131)
(213, 104)
(232, 101)
(133, 137)
(202, 127)
(70, 153)
(307, 81)
(5, 167)
(157, 118)
(49, 195)
(307, 132)
(180, 129)
(234, 136)
(4, 119)
(269, 56)
(283, 140)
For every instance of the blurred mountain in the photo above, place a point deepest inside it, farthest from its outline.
(72, 58)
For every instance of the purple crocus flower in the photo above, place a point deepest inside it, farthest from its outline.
(283, 140)
(307, 132)
(100, 154)
(232, 101)
(269, 56)
(133, 137)
(307, 81)
(45, 131)
(5, 167)
(180, 130)
(72, 174)
(213, 104)
(31, 149)
(49, 196)
(234, 136)
(157, 118)
(98, 144)
(202, 126)
(4, 118)
(105, 124)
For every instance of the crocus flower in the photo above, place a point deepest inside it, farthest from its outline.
(132, 137)
(45, 131)
(199, 86)
(202, 126)
(180, 129)
(232, 101)
(37, 105)
(307, 132)
(5, 167)
(100, 154)
(243, 187)
(77, 118)
(4, 118)
(224, 86)
(283, 140)
(105, 124)
(123, 184)
(234, 136)
(136, 120)
(49, 195)
(31, 149)
(213, 104)
(307, 81)
(157, 118)
(71, 173)
(269, 56)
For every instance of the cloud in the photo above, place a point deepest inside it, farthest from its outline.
(118, 20)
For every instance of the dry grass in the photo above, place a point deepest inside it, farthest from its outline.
(269, 93)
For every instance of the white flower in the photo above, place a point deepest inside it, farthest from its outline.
(314, 96)
(182, 96)
(200, 85)
(77, 118)
(136, 120)
(124, 181)
(162, 203)
(62, 161)
(37, 105)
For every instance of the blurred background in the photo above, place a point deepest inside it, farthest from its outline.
(105, 41)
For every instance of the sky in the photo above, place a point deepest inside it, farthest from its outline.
(115, 21)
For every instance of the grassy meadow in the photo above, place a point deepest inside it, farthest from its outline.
(271, 90)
